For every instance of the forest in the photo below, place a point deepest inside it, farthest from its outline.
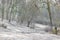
(28, 19)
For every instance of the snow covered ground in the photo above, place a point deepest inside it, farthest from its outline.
(32, 36)
(13, 32)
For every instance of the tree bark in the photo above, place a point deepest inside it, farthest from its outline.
(49, 11)
(3, 2)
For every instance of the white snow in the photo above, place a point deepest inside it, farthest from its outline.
(33, 36)
(13, 32)
(41, 25)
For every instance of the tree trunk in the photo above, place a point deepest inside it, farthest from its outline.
(49, 11)
(2, 14)
(3, 9)
(56, 30)
(28, 23)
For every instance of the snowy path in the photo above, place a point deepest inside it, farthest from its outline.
(24, 33)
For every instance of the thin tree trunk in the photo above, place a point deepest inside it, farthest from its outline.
(56, 30)
(12, 7)
(30, 20)
(3, 9)
(49, 11)
(2, 14)
(7, 11)
(28, 24)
